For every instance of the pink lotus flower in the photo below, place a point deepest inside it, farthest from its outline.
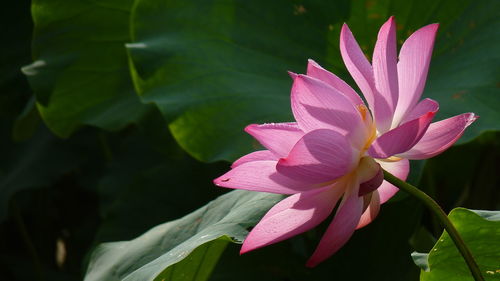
(334, 150)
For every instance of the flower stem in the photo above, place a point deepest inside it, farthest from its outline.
(443, 219)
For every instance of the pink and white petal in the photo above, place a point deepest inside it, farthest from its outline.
(316, 71)
(292, 216)
(341, 229)
(399, 169)
(371, 211)
(402, 138)
(440, 136)
(414, 59)
(357, 64)
(421, 108)
(260, 155)
(316, 105)
(320, 156)
(385, 73)
(278, 138)
(260, 176)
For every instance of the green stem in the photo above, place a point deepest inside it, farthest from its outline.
(443, 219)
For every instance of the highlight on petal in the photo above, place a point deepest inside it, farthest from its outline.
(440, 136)
(260, 176)
(385, 73)
(371, 211)
(316, 71)
(259, 155)
(402, 138)
(399, 169)
(317, 105)
(320, 156)
(292, 216)
(279, 138)
(414, 59)
(342, 227)
(357, 64)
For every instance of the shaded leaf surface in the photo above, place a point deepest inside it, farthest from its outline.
(147, 256)
(80, 72)
(37, 162)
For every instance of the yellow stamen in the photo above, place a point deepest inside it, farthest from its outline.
(363, 110)
(391, 159)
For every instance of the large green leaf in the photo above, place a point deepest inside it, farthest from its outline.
(80, 71)
(480, 230)
(213, 67)
(154, 255)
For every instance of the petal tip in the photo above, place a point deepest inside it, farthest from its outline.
(224, 180)
(471, 118)
(293, 75)
(344, 31)
(250, 128)
(220, 180)
(391, 21)
(244, 249)
(216, 181)
(311, 263)
(313, 63)
(430, 28)
(434, 26)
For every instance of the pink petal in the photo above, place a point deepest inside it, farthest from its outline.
(421, 108)
(440, 136)
(316, 71)
(320, 156)
(371, 211)
(279, 138)
(369, 175)
(399, 169)
(340, 230)
(413, 65)
(402, 138)
(357, 64)
(317, 105)
(371, 184)
(255, 156)
(260, 176)
(386, 76)
(292, 216)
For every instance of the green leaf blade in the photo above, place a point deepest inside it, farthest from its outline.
(152, 254)
(80, 71)
(479, 230)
